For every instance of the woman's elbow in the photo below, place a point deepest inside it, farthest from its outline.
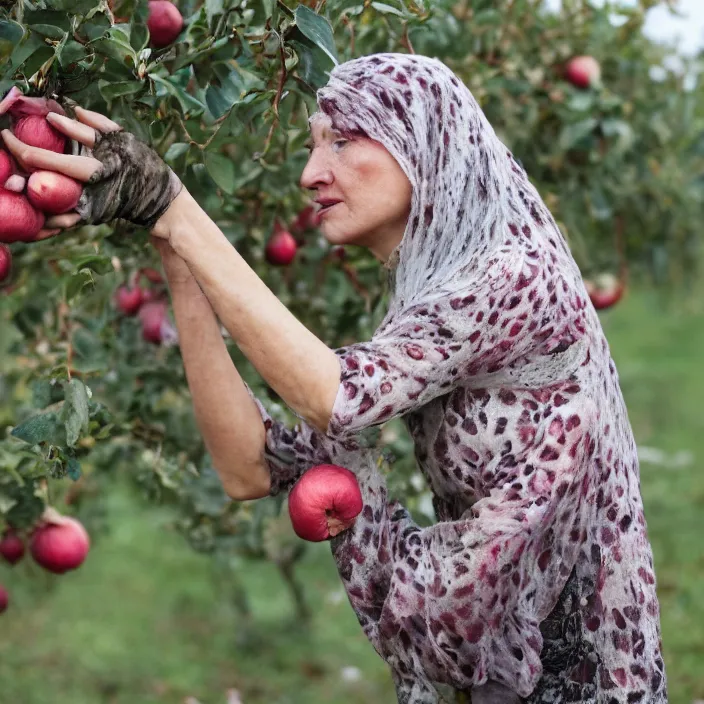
(255, 485)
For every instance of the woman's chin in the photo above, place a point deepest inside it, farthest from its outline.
(337, 237)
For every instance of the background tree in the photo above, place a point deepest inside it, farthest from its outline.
(91, 382)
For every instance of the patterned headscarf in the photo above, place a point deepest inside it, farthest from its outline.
(474, 213)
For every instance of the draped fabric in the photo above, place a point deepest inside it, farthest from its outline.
(537, 582)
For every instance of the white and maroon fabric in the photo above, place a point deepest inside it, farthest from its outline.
(537, 582)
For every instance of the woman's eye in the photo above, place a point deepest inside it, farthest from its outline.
(339, 142)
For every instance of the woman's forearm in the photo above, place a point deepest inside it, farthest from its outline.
(302, 369)
(227, 417)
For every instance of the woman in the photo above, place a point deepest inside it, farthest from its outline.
(537, 585)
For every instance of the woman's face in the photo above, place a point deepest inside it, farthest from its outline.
(374, 193)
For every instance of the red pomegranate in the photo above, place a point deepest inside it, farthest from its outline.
(164, 22)
(61, 546)
(324, 502)
(12, 547)
(5, 263)
(583, 71)
(281, 248)
(129, 300)
(53, 193)
(6, 166)
(605, 291)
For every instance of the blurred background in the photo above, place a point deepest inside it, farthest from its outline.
(184, 595)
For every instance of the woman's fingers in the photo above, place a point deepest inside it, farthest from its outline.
(73, 129)
(96, 120)
(79, 167)
(62, 221)
(45, 234)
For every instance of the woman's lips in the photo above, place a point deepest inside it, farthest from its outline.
(324, 209)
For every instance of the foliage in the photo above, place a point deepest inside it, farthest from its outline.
(84, 397)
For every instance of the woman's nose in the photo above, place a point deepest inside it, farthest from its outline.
(316, 172)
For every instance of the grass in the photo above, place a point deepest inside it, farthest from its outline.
(146, 621)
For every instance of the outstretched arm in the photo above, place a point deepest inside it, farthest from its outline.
(227, 416)
(302, 369)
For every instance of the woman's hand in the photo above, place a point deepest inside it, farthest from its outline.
(123, 176)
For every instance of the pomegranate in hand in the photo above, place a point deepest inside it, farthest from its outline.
(11, 547)
(29, 123)
(324, 502)
(5, 266)
(6, 167)
(60, 544)
(20, 221)
(53, 193)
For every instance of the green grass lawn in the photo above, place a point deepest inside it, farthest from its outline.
(145, 620)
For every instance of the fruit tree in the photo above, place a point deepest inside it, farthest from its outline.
(91, 382)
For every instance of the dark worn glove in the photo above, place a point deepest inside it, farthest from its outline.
(134, 183)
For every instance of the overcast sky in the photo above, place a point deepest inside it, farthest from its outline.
(660, 24)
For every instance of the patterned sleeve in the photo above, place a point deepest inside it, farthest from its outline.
(289, 451)
(461, 601)
(496, 326)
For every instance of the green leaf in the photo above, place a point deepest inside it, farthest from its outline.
(23, 52)
(582, 101)
(43, 427)
(6, 502)
(88, 350)
(73, 469)
(317, 29)
(599, 204)
(75, 411)
(310, 61)
(98, 263)
(221, 170)
(490, 16)
(45, 392)
(139, 36)
(213, 8)
(71, 52)
(48, 30)
(571, 134)
(110, 90)
(51, 18)
(11, 31)
(188, 103)
(189, 58)
(176, 150)
(76, 283)
(619, 129)
(79, 7)
(96, 27)
(218, 101)
(116, 47)
(387, 9)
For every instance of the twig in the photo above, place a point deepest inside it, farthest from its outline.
(348, 23)
(406, 40)
(277, 99)
(621, 250)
